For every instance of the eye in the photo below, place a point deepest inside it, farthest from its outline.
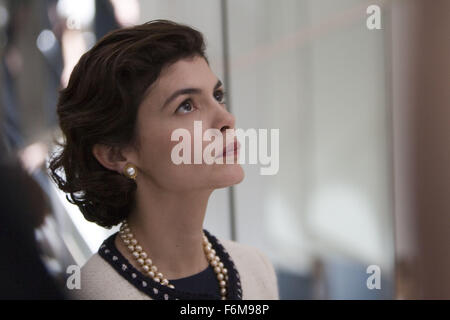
(186, 105)
(220, 96)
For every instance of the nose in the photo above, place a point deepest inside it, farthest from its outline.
(224, 120)
(221, 118)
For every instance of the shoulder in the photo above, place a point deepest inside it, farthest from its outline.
(99, 281)
(257, 274)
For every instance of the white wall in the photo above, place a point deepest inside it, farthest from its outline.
(313, 70)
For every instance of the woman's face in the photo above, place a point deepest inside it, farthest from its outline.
(158, 117)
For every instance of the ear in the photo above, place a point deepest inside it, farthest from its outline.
(109, 157)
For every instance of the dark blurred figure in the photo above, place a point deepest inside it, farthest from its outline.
(105, 19)
(24, 197)
(10, 65)
(23, 275)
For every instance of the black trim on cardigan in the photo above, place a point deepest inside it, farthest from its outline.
(108, 251)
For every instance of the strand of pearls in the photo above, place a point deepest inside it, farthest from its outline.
(151, 270)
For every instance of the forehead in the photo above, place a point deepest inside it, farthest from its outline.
(192, 72)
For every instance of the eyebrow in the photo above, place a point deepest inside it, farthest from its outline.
(187, 91)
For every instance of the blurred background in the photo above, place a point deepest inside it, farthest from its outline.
(363, 116)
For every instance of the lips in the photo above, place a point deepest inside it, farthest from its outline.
(231, 148)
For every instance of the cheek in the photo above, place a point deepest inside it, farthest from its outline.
(156, 148)
(156, 152)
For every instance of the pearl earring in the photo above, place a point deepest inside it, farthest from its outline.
(130, 171)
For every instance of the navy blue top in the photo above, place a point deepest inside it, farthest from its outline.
(203, 285)
(204, 281)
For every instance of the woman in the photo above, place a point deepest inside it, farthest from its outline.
(124, 99)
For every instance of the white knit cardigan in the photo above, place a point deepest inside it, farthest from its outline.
(99, 280)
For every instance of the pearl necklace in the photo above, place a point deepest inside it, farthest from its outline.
(151, 270)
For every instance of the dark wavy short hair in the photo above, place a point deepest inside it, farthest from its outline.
(99, 106)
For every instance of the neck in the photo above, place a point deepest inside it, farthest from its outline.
(169, 227)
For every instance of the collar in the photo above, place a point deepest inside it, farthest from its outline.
(155, 290)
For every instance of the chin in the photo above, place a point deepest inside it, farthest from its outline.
(229, 175)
